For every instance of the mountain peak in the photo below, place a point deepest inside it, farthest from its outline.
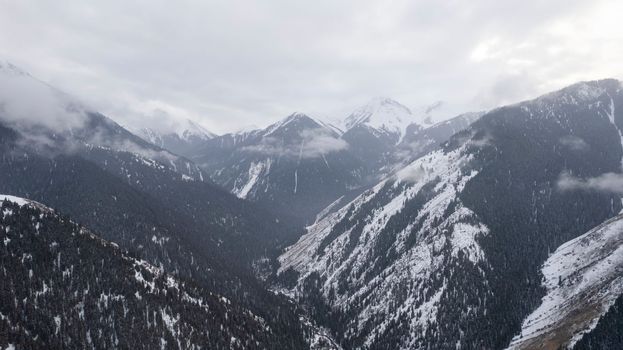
(383, 114)
(297, 120)
(191, 128)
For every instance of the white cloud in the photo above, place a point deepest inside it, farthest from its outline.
(26, 102)
(314, 143)
(608, 182)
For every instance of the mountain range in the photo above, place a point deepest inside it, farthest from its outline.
(388, 230)
(301, 164)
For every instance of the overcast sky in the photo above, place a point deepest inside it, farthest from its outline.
(229, 64)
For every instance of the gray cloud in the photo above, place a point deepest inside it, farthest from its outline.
(26, 103)
(574, 143)
(315, 143)
(234, 63)
(608, 182)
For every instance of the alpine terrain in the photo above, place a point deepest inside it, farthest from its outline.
(300, 165)
(498, 239)
(389, 230)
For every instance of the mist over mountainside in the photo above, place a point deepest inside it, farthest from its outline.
(183, 140)
(151, 202)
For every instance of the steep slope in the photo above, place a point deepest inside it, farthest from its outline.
(296, 166)
(64, 287)
(583, 280)
(447, 253)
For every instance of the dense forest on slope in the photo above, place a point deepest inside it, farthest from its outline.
(64, 287)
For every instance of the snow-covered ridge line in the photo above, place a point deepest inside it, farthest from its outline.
(17, 200)
(24, 201)
(185, 130)
(583, 278)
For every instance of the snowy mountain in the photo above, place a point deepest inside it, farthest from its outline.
(300, 164)
(447, 252)
(387, 135)
(58, 124)
(143, 198)
(490, 230)
(187, 137)
(296, 166)
(382, 116)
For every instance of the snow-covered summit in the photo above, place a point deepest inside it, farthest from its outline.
(189, 129)
(186, 130)
(382, 114)
(299, 122)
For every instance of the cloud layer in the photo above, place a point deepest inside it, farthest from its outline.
(234, 63)
(314, 143)
(27, 102)
(608, 182)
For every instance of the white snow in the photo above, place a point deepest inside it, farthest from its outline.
(17, 200)
(583, 278)
(185, 130)
(284, 122)
(383, 115)
(57, 322)
(256, 170)
(296, 180)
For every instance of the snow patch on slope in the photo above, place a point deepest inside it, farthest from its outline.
(415, 263)
(17, 200)
(583, 278)
(256, 170)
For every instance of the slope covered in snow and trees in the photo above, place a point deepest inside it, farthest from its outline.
(583, 278)
(147, 200)
(448, 252)
(64, 287)
(486, 231)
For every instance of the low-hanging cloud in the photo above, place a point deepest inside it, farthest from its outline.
(26, 102)
(574, 143)
(607, 182)
(314, 143)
